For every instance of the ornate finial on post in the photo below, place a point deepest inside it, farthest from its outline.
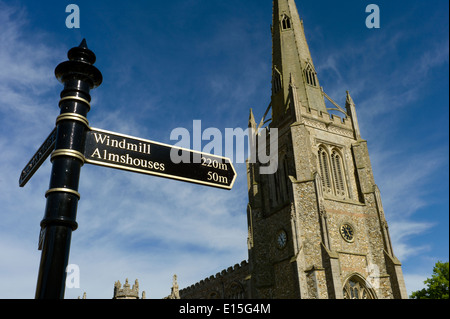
(80, 64)
(79, 76)
(83, 44)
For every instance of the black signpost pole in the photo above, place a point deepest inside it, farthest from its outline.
(78, 76)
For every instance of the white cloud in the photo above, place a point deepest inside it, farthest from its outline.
(402, 231)
(414, 282)
(406, 178)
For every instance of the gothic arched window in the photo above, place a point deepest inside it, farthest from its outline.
(310, 75)
(356, 288)
(286, 22)
(331, 169)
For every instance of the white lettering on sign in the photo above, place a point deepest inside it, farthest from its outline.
(140, 147)
(128, 160)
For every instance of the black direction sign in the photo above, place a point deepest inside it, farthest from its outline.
(38, 158)
(134, 154)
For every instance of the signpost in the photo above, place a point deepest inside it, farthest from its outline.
(38, 158)
(74, 143)
(148, 157)
(79, 76)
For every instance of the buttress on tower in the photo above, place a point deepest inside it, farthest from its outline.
(316, 227)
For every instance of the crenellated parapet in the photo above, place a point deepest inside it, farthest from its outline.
(230, 283)
(126, 291)
(327, 122)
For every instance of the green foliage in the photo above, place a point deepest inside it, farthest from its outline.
(437, 285)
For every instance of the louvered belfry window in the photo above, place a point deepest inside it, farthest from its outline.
(324, 170)
(336, 162)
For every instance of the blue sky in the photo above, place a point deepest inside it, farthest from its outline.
(167, 63)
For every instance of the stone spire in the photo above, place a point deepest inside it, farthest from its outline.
(291, 58)
(175, 293)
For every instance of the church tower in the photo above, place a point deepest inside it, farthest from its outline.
(316, 226)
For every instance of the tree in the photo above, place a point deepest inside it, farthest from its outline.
(437, 285)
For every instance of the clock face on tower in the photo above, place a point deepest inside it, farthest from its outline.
(347, 232)
(281, 239)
